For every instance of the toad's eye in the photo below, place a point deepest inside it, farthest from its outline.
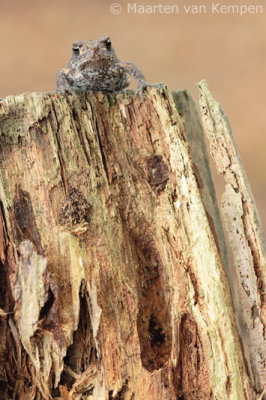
(108, 44)
(75, 49)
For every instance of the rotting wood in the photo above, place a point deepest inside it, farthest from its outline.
(103, 210)
(188, 112)
(244, 232)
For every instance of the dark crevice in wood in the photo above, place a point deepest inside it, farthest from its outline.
(82, 352)
(101, 148)
(193, 369)
(80, 134)
(59, 152)
(194, 282)
(212, 227)
(121, 395)
(256, 260)
(154, 328)
(48, 305)
(25, 223)
(158, 172)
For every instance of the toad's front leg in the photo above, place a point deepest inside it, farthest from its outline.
(68, 79)
(132, 70)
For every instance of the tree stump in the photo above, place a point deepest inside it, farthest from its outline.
(113, 257)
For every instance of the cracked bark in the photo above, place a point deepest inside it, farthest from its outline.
(110, 266)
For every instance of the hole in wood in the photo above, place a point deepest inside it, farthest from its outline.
(154, 328)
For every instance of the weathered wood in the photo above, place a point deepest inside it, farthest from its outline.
(194, 132)
(245, 234)
(116, 283)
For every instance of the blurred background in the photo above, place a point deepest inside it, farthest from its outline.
(228, 50)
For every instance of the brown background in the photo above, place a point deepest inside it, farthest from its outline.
(228, 50)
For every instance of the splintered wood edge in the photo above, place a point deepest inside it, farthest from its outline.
(243, 228)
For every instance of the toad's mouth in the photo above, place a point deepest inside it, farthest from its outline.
(88, 63)
(83, 64)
